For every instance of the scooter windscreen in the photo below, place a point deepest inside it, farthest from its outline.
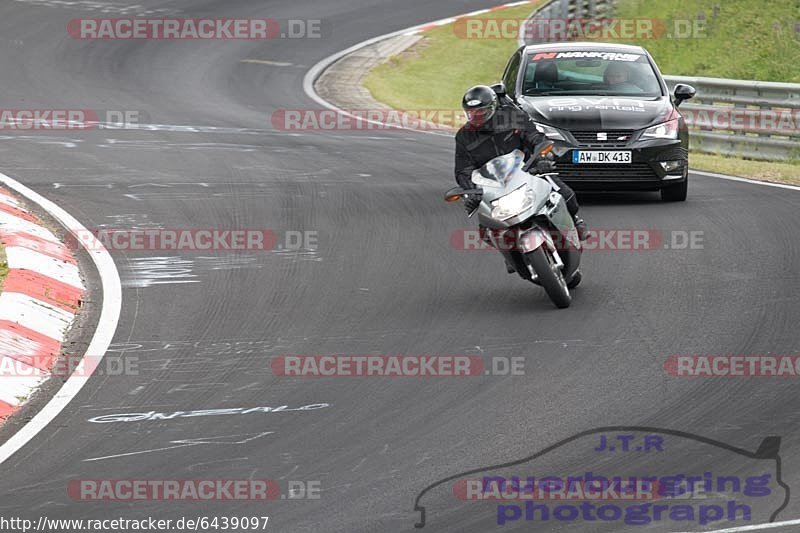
(495, 172)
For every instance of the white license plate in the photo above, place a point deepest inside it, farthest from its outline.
(601, 157)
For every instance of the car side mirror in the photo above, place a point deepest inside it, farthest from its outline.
(683, 92)
(499, 89)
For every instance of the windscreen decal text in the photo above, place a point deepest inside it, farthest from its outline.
(608, 56)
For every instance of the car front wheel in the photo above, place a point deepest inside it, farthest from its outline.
(677, 192)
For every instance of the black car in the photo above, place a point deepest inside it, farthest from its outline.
(610, 113)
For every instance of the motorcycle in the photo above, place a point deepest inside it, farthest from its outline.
(526, 219)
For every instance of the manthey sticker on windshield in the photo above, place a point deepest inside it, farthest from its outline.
(608, 56)
(613, 478)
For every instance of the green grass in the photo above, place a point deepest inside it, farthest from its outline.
(765, 171)
(436, 72)
(745, 40)
(3, 266)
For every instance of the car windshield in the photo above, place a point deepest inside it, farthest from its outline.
(590, 73)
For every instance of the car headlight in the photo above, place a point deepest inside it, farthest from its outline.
(512, 203)
(549, 131)
(665, 130)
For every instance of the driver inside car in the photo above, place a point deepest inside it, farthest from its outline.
(617, 77)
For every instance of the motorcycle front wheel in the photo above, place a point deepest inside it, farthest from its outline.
(550, 276)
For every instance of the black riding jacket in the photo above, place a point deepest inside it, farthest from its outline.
(508, 129)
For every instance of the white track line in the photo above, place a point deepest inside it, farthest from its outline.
(317, 70)
(107, 324)
(745, 180)
(755, 527)
(479, 12)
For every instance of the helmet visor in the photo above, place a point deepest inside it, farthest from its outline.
(479, 116)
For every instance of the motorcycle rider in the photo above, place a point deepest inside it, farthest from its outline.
(494, 129)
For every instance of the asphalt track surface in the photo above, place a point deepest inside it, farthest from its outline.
(383, 280)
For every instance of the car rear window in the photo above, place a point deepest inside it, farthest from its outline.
(589, 73)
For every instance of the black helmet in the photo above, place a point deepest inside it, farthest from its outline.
(479, 104)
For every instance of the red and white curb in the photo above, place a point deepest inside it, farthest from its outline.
(106, 323)
(39, 300)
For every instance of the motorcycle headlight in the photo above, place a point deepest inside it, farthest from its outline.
(665, 130)
(549, 131)
(513, 203)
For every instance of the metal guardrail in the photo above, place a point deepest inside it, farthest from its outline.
(753, 119)
(567, 10)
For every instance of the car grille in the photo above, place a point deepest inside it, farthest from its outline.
(588, 139)
(611, 173)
